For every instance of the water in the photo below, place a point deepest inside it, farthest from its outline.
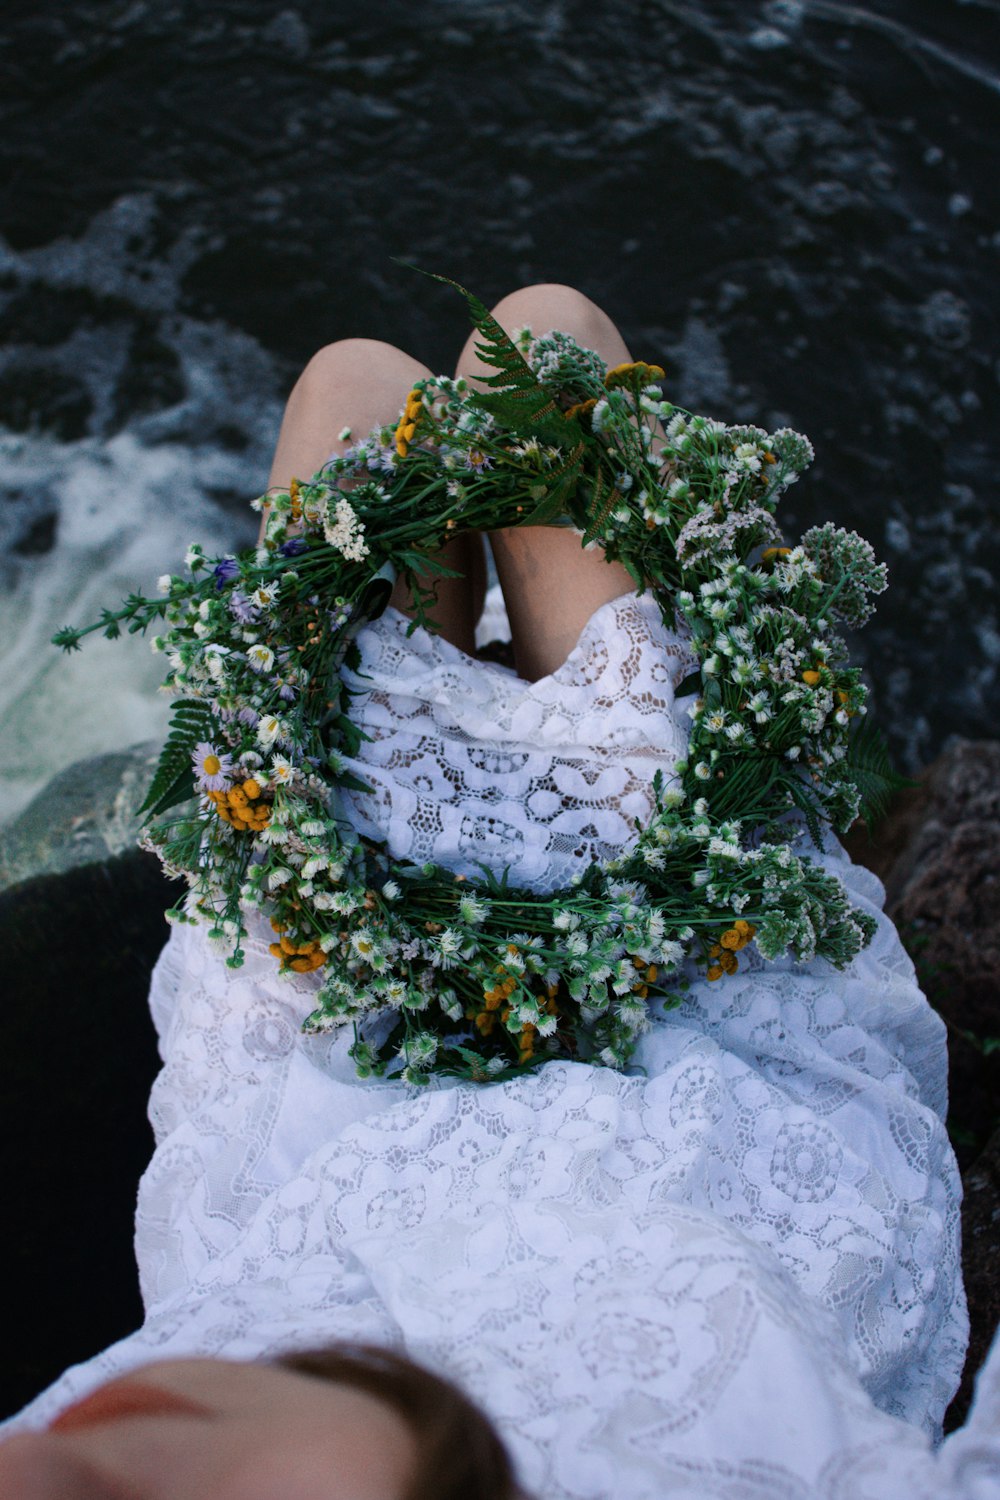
(792, 205)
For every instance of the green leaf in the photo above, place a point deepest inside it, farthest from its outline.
(173, 781)
(869, 766)
(352, 783)
(517, 399)
(180, 790)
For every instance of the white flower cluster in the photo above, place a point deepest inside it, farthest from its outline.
(343, 530)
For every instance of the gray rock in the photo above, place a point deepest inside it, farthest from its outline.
(938, 852)
(86, 814)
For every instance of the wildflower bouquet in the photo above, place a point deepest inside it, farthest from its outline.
(436, 973)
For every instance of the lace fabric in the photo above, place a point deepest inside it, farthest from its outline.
(733, 1272)
(471, 766)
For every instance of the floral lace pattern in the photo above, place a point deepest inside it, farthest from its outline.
(733, 1272)
(469, 765)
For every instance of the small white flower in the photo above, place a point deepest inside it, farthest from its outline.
(281, 771)
(270, 729)
(391, 891)
(279, 877)
(261, 658)
(164, 583)
(274, 833)
(702, 771)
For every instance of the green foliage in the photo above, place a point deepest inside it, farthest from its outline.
(517, 399)
(868, 766)
(190, 722)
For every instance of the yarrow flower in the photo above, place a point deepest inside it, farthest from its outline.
(344, 531)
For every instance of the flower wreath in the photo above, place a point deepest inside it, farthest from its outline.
(438, 973)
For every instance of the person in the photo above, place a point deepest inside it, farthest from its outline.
(731, 1271)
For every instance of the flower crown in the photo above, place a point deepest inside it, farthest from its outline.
(434, 972)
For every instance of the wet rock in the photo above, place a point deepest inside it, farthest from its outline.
(87, 813)
(44, 400)
(77, 1060)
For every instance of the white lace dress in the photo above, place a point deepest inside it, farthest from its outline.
(733, 1273)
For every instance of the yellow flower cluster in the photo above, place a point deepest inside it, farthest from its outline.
(408, 422)
(241, 806)
(645, 977)
(486, 1019)
(725, 950)
(634, 370)
(302, 957)
(581, 411)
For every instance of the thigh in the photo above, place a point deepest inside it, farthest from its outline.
(551, 586)
(354, 385)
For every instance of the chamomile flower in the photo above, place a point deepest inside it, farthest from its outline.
(212, 768)
(261, 658)
(282, 772)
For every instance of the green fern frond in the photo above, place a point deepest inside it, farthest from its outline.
(869, 767)
(173, 781)
(518, 401)
(805, 800)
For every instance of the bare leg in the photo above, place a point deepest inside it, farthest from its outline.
(550, 585)
(359, 383)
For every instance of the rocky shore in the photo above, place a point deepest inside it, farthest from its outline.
(81, 924)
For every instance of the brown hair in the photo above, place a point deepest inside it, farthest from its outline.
(460, 1456)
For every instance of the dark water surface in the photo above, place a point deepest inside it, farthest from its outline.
(793, 205)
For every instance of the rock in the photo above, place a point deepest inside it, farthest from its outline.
(938, 852)
(77, 1060)
(88, 812)
(981, 1267)
(942, 892)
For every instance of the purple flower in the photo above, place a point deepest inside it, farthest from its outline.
(242, 609)
(225, 571)
(294, 547)
(286, 693)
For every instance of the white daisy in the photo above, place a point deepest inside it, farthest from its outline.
(261, 658)
(212, 769)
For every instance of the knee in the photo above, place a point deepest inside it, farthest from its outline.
(550, 304)
(355, 362)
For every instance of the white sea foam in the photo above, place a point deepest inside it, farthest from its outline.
(126, 515)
